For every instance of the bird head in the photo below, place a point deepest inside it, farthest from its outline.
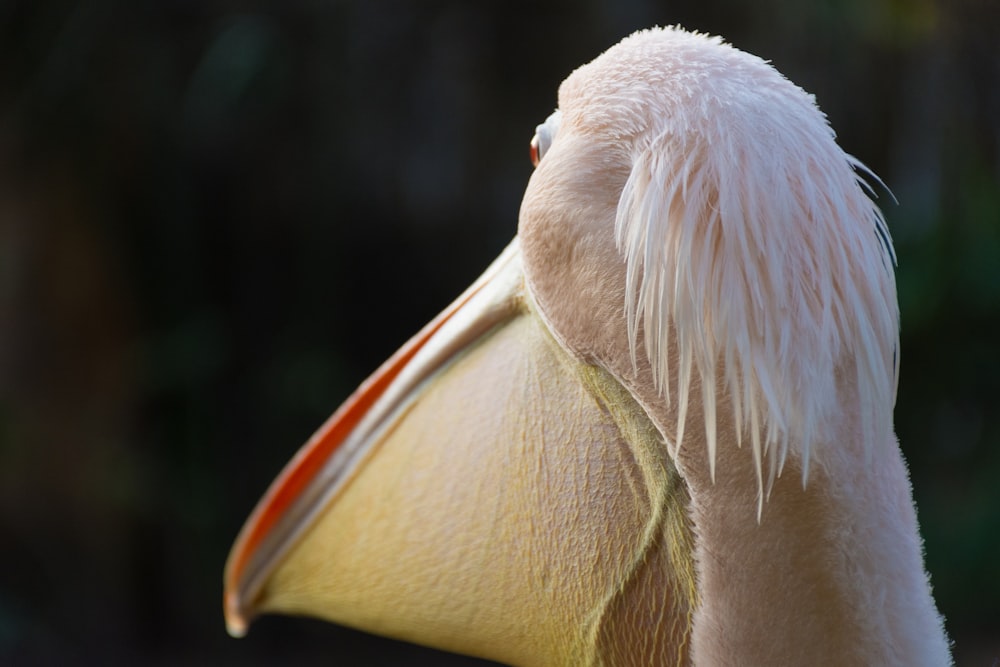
(694, 228)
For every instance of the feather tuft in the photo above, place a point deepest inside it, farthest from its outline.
(754, 248)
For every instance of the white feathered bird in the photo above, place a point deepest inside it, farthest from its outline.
(657, 430)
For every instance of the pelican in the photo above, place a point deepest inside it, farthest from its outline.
(657, 430)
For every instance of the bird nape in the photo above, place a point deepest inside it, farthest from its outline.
(657, 430)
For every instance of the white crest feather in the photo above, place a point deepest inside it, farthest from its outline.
(751, 239)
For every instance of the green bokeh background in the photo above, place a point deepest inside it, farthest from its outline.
(217, 217)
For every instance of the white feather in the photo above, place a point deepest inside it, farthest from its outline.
(750, 240)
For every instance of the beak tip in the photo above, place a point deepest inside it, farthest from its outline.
(236, 621)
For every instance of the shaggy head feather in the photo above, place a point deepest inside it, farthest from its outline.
(750, 238)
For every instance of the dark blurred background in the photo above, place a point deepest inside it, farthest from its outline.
(217, 217)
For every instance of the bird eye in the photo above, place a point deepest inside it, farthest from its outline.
(545, 134)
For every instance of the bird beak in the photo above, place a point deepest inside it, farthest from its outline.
(328, 463)
(484, 492)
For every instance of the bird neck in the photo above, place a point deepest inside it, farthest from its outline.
(830, 572)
